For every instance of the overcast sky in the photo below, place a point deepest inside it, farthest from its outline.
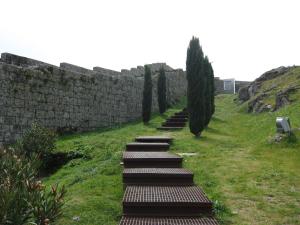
(243, 38)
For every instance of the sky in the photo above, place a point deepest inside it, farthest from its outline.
(242, 38)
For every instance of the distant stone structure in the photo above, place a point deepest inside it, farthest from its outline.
(229, 86)
(72, 98)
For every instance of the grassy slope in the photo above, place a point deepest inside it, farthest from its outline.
(291, 78)
(251, 180)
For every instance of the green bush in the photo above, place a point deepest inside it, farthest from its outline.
(162, 91)
(24, 199)
(147, 95)
(196, 87)
(37, 140)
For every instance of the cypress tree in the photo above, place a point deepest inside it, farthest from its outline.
(207, 92)
(212, 84)
(147, 95)
(196, 87)
(161, 91)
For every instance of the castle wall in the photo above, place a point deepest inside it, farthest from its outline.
(71, 97)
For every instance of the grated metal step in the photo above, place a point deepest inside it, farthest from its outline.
(176, 120)
(165, 201)
(173, 124)
(151, 160)
(132, 220)
(169, 128)
(179, 116)
(157, 176)
(150, 139)
(142, 146)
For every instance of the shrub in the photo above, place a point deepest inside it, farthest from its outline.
(147, 95)
(46, 205)
(23, 199)
(207, 92)
(37, 140)
(161, 91)
(15, 171)
(212, 85)
(196, 87)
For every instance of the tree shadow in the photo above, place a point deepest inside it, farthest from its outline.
(216, 131)
(55, 161)
(216, 119)
(200, 137)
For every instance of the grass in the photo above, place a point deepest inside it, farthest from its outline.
(273, 86)
(251, 180)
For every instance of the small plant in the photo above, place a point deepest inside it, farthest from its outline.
(24, 199)
(46, 205)
(15, 171)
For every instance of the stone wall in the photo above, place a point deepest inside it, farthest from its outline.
(219, 86)
(71, 97)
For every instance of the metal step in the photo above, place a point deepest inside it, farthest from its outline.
(173, 124)
(179, 116)
(157, 176)
(181, 113)
(136, 220)
(165, 201)
(169, 128)
(176, 120)
(150, 139)
(143, 146)
(151, 160)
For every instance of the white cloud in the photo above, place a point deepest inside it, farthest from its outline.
(242, 38)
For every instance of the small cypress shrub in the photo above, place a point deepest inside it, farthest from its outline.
(162, 91)
(147, 95)
(207, 92)
(212, 84)
(196, 87)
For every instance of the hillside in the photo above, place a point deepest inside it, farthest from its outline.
(272, 90)
(250, 179)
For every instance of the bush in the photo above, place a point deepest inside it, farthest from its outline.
(162, 91)
(147, 96)
(15, 172)
(196, 87)
(23, 199)
(37, 140)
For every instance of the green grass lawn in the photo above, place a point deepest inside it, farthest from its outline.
(251, 180)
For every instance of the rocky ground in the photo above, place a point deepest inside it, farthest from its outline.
(272, 90)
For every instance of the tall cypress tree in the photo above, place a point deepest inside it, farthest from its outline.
(196, 88)
(212, 84)
(207, 91)
(147, 95)
(162, 91)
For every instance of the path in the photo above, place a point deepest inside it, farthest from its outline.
(158, 190)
